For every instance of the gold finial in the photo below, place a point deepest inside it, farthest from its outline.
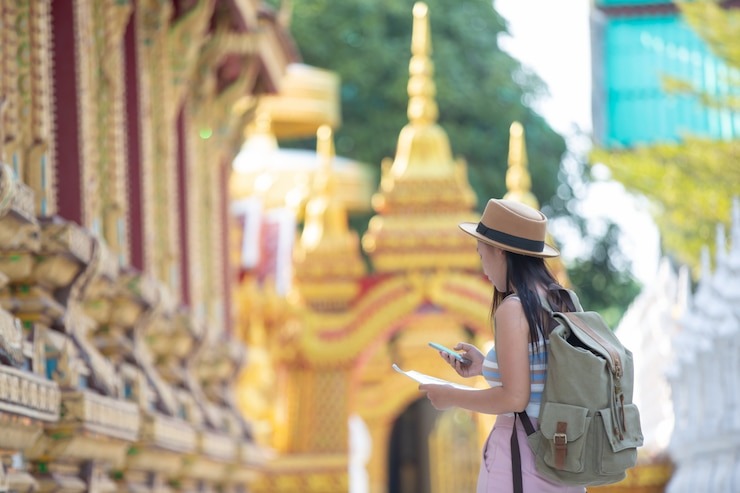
(421, 89)
(325, 144)
(326, 153)
(421, 43)
(518, 180)
(326, 217)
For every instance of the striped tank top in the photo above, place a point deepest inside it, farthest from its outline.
(537, 374)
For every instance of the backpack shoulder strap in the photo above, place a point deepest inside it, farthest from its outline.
(516, 457)
(573, 298)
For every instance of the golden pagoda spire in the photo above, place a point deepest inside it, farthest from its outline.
(326, 237)
(423, 147)
(518, 179)
(422, 107)
(424, 193)
(519, 186)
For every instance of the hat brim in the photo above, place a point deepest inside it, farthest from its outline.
(547, 251)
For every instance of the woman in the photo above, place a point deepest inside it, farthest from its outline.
(512, 248)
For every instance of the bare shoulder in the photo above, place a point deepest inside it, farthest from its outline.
(510, 313)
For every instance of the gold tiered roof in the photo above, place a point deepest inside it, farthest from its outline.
(423, 192)
(326, 237)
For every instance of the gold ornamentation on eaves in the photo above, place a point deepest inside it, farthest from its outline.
(101, 64)
(185, 38)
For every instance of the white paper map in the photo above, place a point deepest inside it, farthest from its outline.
(422, 378)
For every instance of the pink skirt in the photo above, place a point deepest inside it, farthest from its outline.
(495, 468)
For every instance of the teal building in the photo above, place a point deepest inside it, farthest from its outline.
(635, 45)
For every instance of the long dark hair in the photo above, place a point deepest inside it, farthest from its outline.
(523, 275)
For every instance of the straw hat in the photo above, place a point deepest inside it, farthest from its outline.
(514, 227)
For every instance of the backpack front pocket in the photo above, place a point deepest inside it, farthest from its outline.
(563, 428)
(618, 452)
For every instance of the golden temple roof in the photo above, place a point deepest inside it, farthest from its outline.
(308, 97)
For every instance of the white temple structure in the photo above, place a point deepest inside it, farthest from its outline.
(648, 329)
(705, 377)
(687, 369)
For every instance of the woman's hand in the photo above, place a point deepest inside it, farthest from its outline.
(472, 353)
(441, 396)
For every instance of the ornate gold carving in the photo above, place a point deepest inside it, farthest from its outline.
(186, 36)
(111, 18)
(213, 116)
(25, 59)
(9, 131)
(157, 137)
(166, 83)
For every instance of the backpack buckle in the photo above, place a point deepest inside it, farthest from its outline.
(559, 445)
(560, 439)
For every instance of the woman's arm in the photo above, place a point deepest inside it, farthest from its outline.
(512, 351)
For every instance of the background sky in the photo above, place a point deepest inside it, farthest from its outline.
(552, 38)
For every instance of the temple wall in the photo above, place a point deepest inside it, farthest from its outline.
(117, 130)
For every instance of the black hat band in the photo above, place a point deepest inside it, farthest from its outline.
(510, 240)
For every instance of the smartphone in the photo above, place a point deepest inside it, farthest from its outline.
(454, 354)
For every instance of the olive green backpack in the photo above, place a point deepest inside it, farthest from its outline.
(589, 429)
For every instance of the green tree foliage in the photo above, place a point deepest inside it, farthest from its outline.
(601, 281)
(690, 183)
(481, 90)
